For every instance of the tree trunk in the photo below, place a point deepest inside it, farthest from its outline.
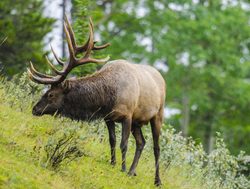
(185, 115)
(208, 136)
(63, 34)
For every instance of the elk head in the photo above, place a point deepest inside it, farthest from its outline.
(52, 101)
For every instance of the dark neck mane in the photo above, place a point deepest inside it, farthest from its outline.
(89, 98)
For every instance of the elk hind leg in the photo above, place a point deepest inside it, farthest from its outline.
(140, 143)
(156, 123)
(126, 128)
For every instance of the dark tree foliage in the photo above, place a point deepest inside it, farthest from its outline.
(25, 27)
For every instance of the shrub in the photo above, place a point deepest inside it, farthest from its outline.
(20, 92)
(63, 146)
(219, 169)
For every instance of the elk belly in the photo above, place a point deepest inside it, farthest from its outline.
(143, 114)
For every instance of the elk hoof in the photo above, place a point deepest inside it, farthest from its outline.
(132, 173)
(113, 163)
(158, 182)
(123, 169)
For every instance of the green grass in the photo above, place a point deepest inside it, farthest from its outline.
(22, 141)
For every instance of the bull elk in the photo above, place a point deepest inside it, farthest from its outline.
(120, 92)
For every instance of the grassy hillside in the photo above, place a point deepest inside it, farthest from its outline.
(21, 134)
(28, 150)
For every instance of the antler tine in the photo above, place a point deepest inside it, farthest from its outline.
(38, 79)
(71, 32)
(101, 46)
(70, 47)
(91, 39)
(57, 59)
(46, 80)
(34, 71)
(99, 61)
(53, 67)
(84, 47)
(80, 49)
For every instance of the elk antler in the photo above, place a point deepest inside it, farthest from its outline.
(74, 49)
(82, 48)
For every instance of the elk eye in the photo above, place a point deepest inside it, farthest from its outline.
(51, 95)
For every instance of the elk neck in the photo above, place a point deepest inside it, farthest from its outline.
(90, 98)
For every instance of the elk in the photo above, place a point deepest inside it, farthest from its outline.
(120, 92)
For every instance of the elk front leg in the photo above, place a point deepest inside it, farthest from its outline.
(112, 140)
(126, 128)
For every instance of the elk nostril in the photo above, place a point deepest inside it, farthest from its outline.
(34, 111)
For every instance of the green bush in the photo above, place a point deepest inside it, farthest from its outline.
(219, 169)
(20, 92)
(63, 146)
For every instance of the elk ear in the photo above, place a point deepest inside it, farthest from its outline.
(66, 86)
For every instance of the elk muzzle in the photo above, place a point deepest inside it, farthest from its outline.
(36, 112)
